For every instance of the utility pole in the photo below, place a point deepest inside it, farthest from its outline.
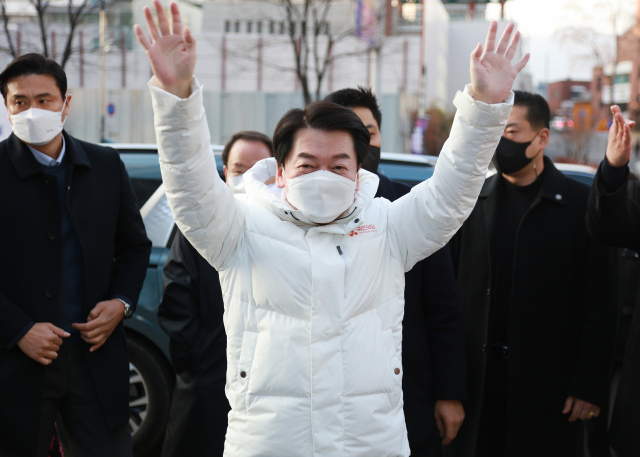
(419, 129)
(103, 85)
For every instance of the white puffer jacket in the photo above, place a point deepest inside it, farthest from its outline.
(313, 314)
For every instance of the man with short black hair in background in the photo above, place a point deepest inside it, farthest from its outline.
(75, 254)
(433, 356)
(538, 314)
(191, 314)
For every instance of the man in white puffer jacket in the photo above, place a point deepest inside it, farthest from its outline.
(311, 265)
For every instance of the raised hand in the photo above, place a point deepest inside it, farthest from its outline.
(172, 55)
(619, 146)
(492, 74)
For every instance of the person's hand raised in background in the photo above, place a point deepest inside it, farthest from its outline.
(619, 145)
(171, 52)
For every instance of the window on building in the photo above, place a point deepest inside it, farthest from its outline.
(272, 27)
(293, 28)
(259, 26)
(599, 84)
(236, 27)
(282, 29)
(227, 26)
(326, 28)
(621, 79)
(249, 26)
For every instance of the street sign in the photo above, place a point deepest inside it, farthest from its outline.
(111, 109)
(603, 125)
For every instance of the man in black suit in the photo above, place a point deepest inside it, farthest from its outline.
(433, 355)
(191, 314)
(613, 218)
(75, 255)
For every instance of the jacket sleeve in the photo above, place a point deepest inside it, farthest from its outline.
(203, 206)
(598, 321)
(132, 247)
(178, 313)
(444, 327)
(423, 221)
(13, 323)
(614, 218)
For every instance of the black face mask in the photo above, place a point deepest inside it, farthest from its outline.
(372, 160)
(511, 156)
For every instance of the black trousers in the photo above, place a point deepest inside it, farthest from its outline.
(492, 430)
(198, 418)
(68, 390)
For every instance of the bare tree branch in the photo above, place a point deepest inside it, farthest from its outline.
(41, 8)
(76, 16)
(5, 23)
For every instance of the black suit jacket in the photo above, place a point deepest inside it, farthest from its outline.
(433, 352)
(614, 219)
(115, 251)
(562, 318)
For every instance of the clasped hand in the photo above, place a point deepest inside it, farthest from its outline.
(43, 341)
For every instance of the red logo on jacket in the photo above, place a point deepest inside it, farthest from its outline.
(363, 229)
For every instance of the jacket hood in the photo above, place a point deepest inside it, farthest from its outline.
(260, 184)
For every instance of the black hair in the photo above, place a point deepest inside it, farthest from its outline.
(33, 64)
(246, 135)
(358, 98)
(325, 116)
(538, 112)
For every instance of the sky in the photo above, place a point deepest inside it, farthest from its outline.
(544, 22)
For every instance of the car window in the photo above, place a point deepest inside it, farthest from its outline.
(408, 173)
(157, 218)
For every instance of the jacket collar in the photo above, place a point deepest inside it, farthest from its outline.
(553, 188)
(26, 165)
(263, 173)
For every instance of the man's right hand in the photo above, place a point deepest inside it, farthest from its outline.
(42, 342)
(619, 146)
(172, 54)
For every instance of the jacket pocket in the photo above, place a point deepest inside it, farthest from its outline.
(247, 352)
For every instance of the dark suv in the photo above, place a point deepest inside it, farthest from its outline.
(151, 375)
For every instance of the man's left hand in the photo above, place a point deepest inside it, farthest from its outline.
(492, 74)
(449, 417)
(101, 322)
(580, 409)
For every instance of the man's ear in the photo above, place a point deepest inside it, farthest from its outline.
(66, 107)
(544, 138)
(280, 177)
(224, 170)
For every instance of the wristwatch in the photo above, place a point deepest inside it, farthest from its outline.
(128, 309)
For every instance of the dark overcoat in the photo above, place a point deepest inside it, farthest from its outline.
(433, 355)
(115, 252)
(562, 318)
(614, 219)
(191, 313)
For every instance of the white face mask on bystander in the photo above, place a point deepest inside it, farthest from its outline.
(321, 196)
(236, 184)
(38, 126)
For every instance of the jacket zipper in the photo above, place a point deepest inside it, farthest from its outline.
(346, 269)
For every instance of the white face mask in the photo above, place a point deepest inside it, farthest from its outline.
(321, 196)
(38, 126)
(236, 183)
